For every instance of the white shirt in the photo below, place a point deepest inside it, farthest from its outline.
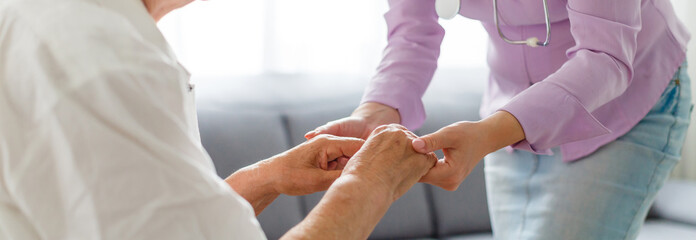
(98, 132)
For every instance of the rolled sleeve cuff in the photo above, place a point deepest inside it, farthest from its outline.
(550, 116)
(410, 107)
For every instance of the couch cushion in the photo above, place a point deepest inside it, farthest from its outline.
(662, 229)
(408, 217)
(676, 201)
(479, 236)
(235, 138)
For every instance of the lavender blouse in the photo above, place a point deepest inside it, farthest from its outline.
(607, 65)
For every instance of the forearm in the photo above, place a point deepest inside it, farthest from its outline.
(499, 130)
(350, 209)
(254, 184)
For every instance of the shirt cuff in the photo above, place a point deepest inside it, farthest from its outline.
(550, 116)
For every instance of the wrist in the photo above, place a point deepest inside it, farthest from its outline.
(350, 209)
(377, 113)
(360, 186)
(499, 130)
(255, 183)
(269, 177)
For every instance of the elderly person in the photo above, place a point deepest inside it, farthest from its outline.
(99, 140)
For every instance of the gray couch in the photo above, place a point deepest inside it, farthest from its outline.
(243, 121)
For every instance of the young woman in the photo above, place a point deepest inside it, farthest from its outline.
(595, 120)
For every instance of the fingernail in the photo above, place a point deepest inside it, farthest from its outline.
(418, 144)
(310, 133)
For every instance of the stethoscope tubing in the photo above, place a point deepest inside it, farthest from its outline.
(447, 9)
(532, 42)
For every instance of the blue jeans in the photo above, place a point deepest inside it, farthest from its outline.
(605, 195)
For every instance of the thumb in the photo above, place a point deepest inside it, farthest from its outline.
(431, 142)
(345, 127)
(329, 128)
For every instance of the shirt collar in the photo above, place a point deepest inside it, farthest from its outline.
(136, 12)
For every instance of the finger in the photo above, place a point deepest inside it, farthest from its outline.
(333, 165)
(438, 173)
(390, 128)
(324, 165)
(411, 135)
(434, 141)
(337, 147)
(331, 128)
(343, 127)
(404, 129)
(398, 126)
(316, 132)
(441, 175)
(435, 172)
(342, 162)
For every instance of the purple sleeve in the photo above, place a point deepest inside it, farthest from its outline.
(559, 109)
(409, 60)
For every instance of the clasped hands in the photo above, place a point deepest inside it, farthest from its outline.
(385, 161)
(366, 162)
(464, 143)
(369, 146)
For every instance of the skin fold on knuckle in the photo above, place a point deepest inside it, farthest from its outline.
(397, 126)
(381, 134)
(320, 139)
(410, 135)
(352, 141)
(380, 129)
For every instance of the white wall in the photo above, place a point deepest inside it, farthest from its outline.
(237, 39)
(686, 9)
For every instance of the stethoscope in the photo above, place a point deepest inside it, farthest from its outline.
(448, 9)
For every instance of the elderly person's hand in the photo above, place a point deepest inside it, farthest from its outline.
(313, 165)
(388, 161)
(307, 168)
(382, 171)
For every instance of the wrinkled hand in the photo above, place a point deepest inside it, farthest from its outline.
(361, 123)
(313, 165)
(387, 160)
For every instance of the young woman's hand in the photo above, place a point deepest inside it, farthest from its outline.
(361, 123)
(464, 145)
